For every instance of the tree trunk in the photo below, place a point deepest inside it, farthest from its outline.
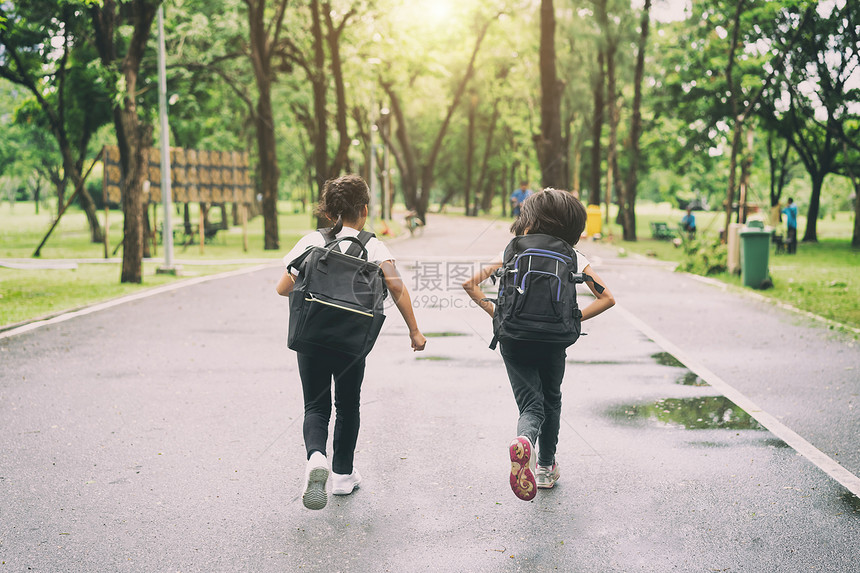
(470, 154)
(485, 185)
(131, 136)
(576, 166)
(629, 197)
(37, 193)
(612, 105)
(733, 168)
(405, 157)
(811, 234)
(549, 147)
(779, 169)
(566, 140)
(261, 57)
(597, 131)
(746, 168)
(186, 219)
(333, 38)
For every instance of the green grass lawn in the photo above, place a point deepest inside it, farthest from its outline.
(27, 294)
(822, 278)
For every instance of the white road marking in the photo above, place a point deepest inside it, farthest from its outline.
(777, 428)
(132, 297)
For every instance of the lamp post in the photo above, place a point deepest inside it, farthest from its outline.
(166, 199)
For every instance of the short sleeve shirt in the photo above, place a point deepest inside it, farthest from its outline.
(521, 195)
(377, 252)
(791, 216)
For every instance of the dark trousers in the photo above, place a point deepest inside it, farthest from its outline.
(536, 371)
(791, 237)
(317, 372)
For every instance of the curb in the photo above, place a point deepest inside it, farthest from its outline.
(64, 315)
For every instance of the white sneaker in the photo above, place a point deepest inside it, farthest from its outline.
(546, 476)
(316, 476)
(345, 484)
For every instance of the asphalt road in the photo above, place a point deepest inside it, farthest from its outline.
(164, 434)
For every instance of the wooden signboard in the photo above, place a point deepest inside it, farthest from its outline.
(196, 176)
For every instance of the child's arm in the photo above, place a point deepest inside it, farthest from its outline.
(286, 284)
(602, 300)
(404, 304)
(473, 287)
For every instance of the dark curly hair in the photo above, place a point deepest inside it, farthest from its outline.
(552, 212)
(342, 200)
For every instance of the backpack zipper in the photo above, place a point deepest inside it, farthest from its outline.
(312, 298)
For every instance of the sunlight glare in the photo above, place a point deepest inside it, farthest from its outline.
(438, 11)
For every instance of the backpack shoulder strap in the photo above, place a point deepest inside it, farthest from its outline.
(364, 237)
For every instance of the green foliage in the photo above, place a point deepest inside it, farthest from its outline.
(703, 257)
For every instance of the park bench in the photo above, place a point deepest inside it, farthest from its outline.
(661, 231)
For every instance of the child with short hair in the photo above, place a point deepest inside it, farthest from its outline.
(344, 202)
(536, 369)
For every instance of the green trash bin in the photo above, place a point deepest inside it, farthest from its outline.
(755, 249)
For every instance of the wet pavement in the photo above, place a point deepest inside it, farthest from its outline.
(165, 435)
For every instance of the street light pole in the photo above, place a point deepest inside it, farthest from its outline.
(166, 199)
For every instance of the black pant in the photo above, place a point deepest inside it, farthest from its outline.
(792, 240)
(536, 371)
(316, 372)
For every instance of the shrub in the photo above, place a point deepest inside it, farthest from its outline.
(703, 257)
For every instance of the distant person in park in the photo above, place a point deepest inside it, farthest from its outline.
(790, 212)
(345, 203)
(536, 369)
(688, 223)
(518, 197)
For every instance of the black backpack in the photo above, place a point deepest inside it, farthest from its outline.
(337, 301)
(537, 292)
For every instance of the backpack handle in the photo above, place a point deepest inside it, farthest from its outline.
(336, 242)
(584, 278)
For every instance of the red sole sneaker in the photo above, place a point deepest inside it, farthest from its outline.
(522, 478)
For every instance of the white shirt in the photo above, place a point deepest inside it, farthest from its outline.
(377, 252)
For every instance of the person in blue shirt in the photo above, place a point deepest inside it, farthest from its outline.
(518, 197)
(790, 213)
(688, 223)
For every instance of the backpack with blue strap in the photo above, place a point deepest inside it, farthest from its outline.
(537, 292)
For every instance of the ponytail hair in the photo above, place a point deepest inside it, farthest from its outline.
(338, 225)
(343, 200)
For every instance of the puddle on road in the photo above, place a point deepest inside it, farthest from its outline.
(666, 359)
(705, 413)
(852, 501)
(688, 378)
(434, 358)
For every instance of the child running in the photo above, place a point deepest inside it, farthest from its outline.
(536, 369)
(345, 203)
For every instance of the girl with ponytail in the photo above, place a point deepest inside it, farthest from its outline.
(344, 202)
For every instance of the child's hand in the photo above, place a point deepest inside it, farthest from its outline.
(418, 341)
